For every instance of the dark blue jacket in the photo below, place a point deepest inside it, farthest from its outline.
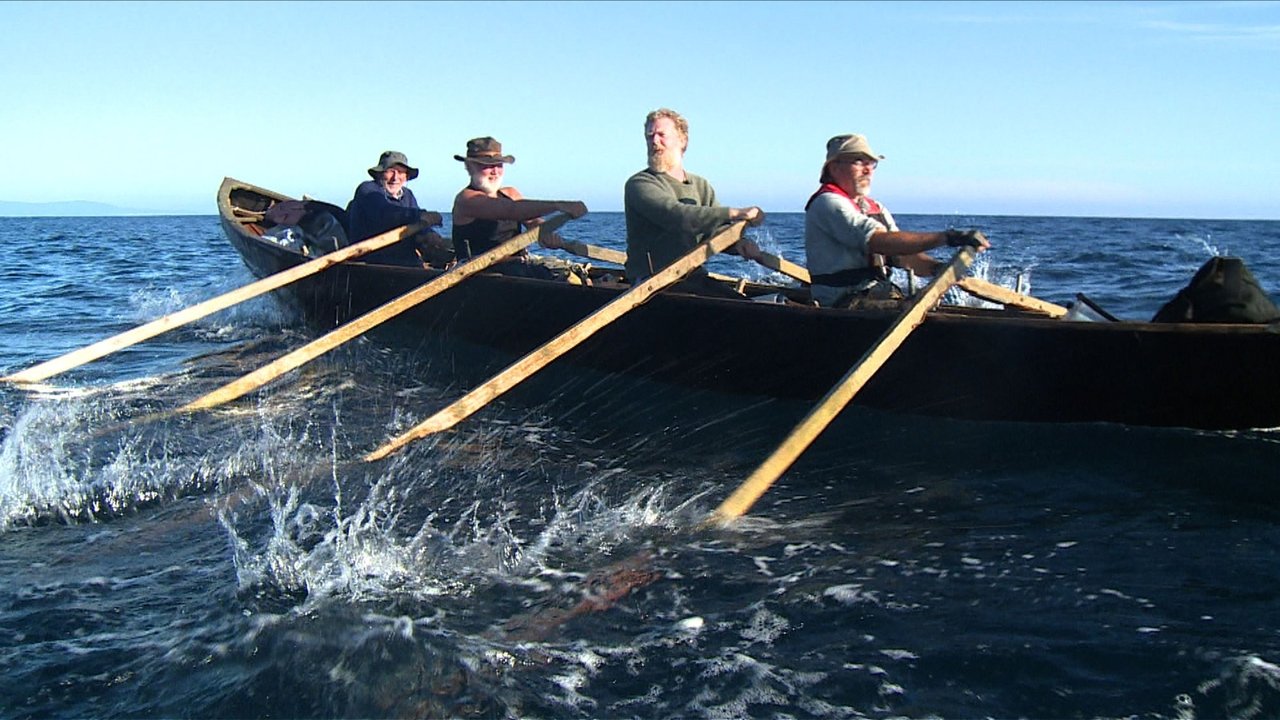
(372, 211)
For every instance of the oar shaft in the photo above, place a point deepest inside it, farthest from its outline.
(595, 252)
(841, 394)
(785, 266)
(371, 319)
(559, 345)
(996, 293)
(195, 312)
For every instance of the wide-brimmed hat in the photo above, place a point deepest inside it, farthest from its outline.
(486, 151)
(849, 144)
(389, 158)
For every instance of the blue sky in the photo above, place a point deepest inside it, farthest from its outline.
(1136, 109)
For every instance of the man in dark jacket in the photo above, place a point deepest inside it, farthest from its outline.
(384, 203)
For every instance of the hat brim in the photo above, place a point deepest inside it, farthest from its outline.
(827, 164)
(488, 160)
(375, 171)
(869, 156)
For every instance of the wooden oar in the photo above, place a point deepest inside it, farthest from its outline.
(839, 396)
(195, 312)
(595, 252)
(562, 343)
(975, 286)
(786, 267)
(999, 294)
(373, 318)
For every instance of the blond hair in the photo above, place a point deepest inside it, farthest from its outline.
(682, 125)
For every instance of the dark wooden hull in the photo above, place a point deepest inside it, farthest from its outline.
(962, 362)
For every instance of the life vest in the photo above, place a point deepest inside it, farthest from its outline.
(867, 206)
(875, 269)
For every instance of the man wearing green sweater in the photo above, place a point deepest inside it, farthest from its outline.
(669, 210)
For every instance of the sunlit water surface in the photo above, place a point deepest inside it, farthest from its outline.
(547, 559)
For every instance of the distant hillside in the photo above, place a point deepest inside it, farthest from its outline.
(73, 208)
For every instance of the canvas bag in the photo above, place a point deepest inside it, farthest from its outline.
(1222, 291)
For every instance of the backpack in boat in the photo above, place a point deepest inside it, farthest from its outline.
(323, 225)
(1222, 291)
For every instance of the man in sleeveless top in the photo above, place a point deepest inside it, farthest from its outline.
(385, 203)
(669, 210)
(850, 240)
(487, 214)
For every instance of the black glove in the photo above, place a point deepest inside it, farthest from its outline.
(960, 238)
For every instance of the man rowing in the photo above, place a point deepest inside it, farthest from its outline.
(670, 210)
(851, 241)
(486, 213)
(385, 203)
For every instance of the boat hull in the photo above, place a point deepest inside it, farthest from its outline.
(964, 363)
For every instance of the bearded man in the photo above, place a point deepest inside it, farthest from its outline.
(851, 240)
(487, 214)
(669, 210)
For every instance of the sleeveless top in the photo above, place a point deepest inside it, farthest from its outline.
(480, 236)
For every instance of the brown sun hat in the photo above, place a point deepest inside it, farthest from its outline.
(390, 158)
(486, 151)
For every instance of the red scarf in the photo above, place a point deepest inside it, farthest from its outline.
(865, 205)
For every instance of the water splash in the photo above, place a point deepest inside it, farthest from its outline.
(1203, 242)
(1246, 688)
(53, 468)
(490, 525)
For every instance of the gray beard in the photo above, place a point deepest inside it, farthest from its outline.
(486, 186)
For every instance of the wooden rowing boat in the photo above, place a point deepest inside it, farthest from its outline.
(963, 362)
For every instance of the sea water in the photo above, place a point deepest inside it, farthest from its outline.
(547, 559)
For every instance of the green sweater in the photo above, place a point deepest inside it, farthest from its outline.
(667, 218)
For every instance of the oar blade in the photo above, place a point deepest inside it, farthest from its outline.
(741, 500)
